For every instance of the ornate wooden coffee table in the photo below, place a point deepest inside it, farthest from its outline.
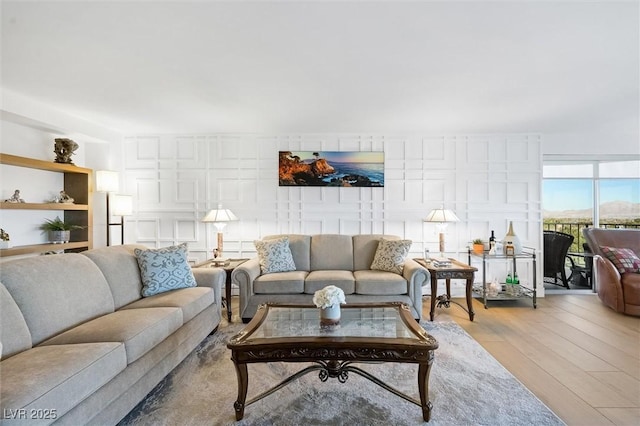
(382, 332)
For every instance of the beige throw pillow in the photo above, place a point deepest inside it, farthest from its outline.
(390, 255)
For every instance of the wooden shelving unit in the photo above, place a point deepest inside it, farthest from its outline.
(78, 184)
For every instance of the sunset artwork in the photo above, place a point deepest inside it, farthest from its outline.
(331, 168)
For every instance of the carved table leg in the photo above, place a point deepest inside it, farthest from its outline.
(227, 294)
(434, 294)
(243, 382)
(469, 298)
(423, 387)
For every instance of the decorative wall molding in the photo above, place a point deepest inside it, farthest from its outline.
(488, 180)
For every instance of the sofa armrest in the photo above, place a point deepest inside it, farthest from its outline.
(243, 276)
(607, 282)
(417, 276)
(211, 277)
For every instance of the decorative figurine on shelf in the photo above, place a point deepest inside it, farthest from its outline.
(64, 148)
(65, 198)
(15, 198)
(4, 239)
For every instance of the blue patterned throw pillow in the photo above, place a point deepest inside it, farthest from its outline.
(164, 269)
(275, 255)
(390, 255)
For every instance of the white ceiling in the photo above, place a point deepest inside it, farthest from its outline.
(329, 66)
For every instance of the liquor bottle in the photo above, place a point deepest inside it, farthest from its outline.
(508, 288)
(492, 241)
(515, 291)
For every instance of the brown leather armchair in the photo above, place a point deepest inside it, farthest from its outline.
(621, 292)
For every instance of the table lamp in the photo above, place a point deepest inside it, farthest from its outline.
(219, 217)
(441, 217)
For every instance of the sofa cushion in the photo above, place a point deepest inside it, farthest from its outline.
(14, 333)
(60, 377)
(275, 255)
(331, 252)
(280, 283)
(120, 268)
(56, 292)
(390, 255)
(191, 301)
(380, 283)
(164, 269)
(317, 280)
(365, 247)
(139, 329)
(624, 259)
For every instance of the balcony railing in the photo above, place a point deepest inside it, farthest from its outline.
(575, 229)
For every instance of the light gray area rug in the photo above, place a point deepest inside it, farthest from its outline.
(467, 386)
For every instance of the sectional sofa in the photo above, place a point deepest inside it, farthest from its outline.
(80, 345)
(348, 262)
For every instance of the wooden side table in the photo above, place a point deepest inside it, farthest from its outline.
(228, 268)
(456, 270)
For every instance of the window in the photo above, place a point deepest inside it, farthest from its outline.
(580, 193)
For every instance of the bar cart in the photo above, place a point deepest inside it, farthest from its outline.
(520, 291)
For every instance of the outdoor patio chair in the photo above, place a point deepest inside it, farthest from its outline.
(581, 273)
(556, 246)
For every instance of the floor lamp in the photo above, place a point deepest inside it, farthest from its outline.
(219, 217)
(441, 217)
(107, 181)
(122, 206)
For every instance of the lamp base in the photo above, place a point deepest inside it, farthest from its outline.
(218, 252)
(441, 243)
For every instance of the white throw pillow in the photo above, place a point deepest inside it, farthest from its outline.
(390, 255)
(275, 255)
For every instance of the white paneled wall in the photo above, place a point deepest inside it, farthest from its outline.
(488, 180)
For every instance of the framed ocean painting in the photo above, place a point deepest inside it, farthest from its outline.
(331, 168)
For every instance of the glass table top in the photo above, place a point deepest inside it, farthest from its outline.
(371, 322)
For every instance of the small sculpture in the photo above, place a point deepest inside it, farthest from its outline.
(65, 198)
(15, 198)
(64, 148)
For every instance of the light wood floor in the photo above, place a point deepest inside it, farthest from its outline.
(577, 356)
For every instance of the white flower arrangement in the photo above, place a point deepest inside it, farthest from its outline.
(328, 296)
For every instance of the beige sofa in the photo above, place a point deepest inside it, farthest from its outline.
(330, 259)
(79, 343)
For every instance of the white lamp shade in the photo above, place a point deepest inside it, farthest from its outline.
(107, 181)
(219, 215)
(122, 205)
(441, 215)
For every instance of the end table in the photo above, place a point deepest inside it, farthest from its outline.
(457, 269)
(228, 268)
